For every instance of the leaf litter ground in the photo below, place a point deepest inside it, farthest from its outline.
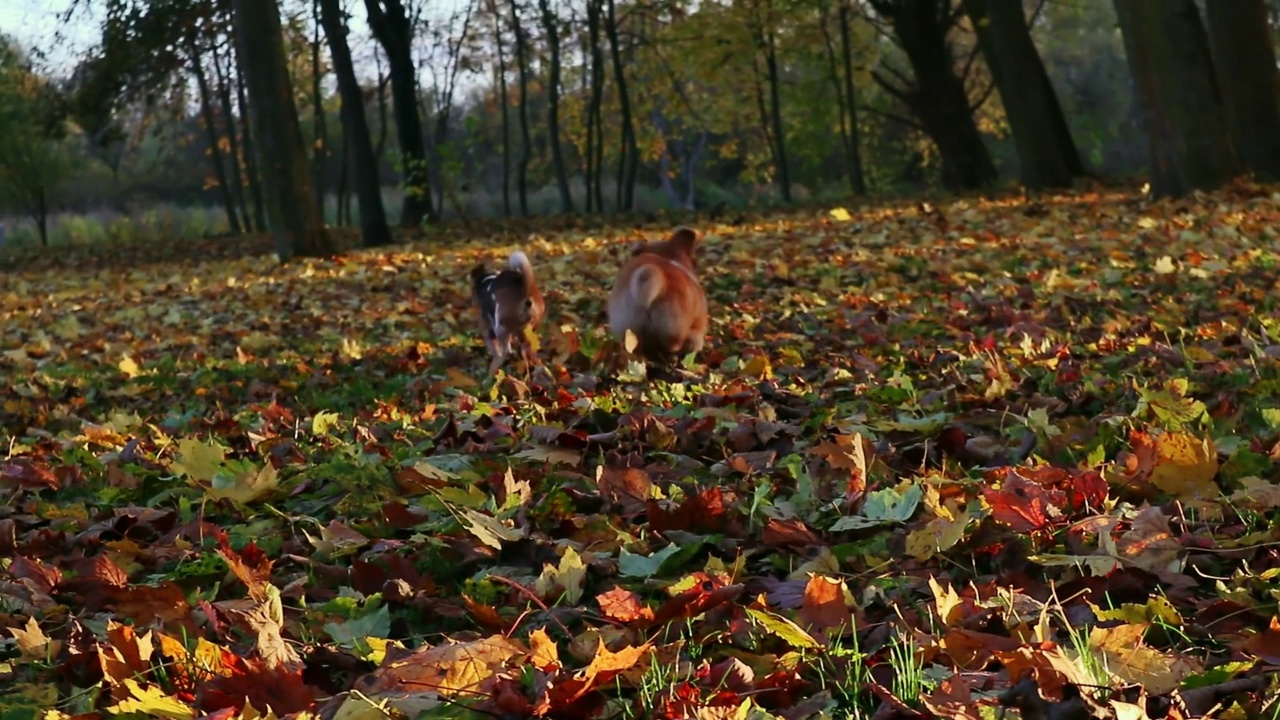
(935, 461)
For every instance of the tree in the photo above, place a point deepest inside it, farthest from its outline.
(551, 24)
(1045, 147)
(629, 153)
(393, 29)
(292, 214)
(1243, 46)
(355, 128)
(937, 97)
(1169, 60)
(840, 73)
(35, 160)
(526, 145)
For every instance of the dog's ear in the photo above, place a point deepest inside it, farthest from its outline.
(685, 238)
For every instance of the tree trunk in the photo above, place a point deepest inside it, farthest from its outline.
(595, 88)
(1168, 55)
(501, 78)
(843, 87)
(1244, 54)
(767, 45)
(293, 217)
(251, 168)
(394, 32)
(320, 148)
(42, 216)
(1048, 158)
(526, 145)
(211, 134)
(343, 199)
(233, 145)
(857, 180)
(939, 99)
(550, 22)
(355, 128)
(629, 151)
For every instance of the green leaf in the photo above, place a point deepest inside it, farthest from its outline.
(351, 634)
(630, 565)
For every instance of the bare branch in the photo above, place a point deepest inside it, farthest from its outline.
(982, 97)
(902, 95)
(909, 122)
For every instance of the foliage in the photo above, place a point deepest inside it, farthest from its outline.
(35, 154)
(934, 459)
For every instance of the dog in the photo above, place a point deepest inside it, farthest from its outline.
(657, 296)
(507, 301)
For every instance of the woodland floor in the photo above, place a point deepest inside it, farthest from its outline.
(935, 460)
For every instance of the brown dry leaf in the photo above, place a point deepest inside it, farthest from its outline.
(1149, 543)
(1132, 660)
(33, 644)
(628, 487)
(1045, 662)
(971, 650)
(824, 604)
(452, 669)
(1265, 645)
(1185, 466)
(623, 605)
(953, 699)
(543, 651)
(844, 452)
(606, 664)
(1256, 494)
(125, 655)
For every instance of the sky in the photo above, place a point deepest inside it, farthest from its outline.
(35, 24)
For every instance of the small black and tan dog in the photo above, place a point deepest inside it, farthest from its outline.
(507, 302)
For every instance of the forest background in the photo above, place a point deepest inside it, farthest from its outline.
(133, 120)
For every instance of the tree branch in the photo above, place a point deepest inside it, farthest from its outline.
(913, 124)
(982, 97)
(903, 95)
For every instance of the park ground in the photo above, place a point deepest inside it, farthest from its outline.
(935, 458)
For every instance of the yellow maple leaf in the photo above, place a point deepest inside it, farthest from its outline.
(198, 460)
(151, 702)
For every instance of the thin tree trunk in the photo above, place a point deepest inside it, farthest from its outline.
(293, 216)
(551, 24)
(42, 216)
(775, 111)
(629, 151)
(501, 77)
(1048, 158)
(595, 121)
(320, 148)
(233, 145)
(211, 134)
(394, 31)
(384, 125)
(1168, 55)
(251, 168)
(343, 199)
(1240, 35)
(857, 181)
(526, 145)
(355, 128)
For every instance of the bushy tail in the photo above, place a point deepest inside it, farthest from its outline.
(647, 283)
(520, 263)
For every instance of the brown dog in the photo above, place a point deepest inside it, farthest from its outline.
(507, 302)
(658, 297)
